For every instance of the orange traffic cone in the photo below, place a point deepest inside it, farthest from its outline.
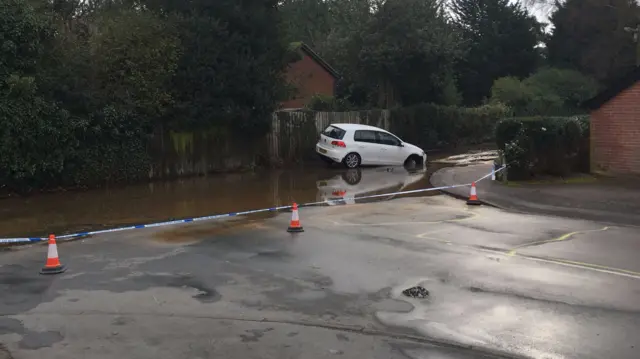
(53, 265)
(473, 196)
(294, 226)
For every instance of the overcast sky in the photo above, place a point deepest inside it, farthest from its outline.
(539, 12)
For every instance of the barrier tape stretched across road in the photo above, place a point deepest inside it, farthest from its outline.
(232, 214)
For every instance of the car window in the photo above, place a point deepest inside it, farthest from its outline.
(387, 139)
(365, 136)
(334, 132)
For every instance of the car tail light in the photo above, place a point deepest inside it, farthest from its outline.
(339, 193)
(338, 143)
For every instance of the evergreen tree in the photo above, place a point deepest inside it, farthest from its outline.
(500, 38)
(408, 52)
(233, 58)
(589, 36)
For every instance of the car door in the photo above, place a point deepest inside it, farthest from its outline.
(391, 151)
(367, 146)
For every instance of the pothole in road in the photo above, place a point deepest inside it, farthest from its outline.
(416, 292)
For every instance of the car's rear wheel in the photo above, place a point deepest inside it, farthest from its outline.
(352, 160)
(352, 176)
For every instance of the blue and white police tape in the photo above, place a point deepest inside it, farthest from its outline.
(232, 214)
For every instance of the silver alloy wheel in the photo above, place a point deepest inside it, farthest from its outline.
(352, 177)
(351, 160)
(411, 164)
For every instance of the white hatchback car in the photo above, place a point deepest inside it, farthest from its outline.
(355, 145)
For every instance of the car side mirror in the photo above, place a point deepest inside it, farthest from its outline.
(401, 144)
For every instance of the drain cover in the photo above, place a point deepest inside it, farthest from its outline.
(416, 292)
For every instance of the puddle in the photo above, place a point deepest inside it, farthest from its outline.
(77, 211)
(472, 157)
(191, 233)
(478, 318)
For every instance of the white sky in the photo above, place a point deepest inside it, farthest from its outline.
(542, 13)
(538, 11)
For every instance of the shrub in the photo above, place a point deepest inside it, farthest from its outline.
(435, 126)
(36, 140)
(543, 145)
(112, 149)
(327, 103)
(549, 92)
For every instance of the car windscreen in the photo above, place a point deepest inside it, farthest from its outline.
(334, 132)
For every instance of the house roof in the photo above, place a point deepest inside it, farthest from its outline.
(612, 91)
(307, 50)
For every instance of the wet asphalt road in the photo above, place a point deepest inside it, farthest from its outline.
(501, 285)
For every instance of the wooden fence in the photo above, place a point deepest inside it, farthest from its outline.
(291, 140)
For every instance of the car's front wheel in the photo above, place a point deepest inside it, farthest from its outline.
(351, 160)
(412, 163)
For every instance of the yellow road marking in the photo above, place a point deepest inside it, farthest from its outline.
(512, 252)
(563, 262)
(594, 266)
(472, 216)
(563, 237)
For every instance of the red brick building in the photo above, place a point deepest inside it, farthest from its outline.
(310, 75)
(615, 127)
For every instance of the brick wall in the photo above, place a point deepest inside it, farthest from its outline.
(309, 78)
(615, 134)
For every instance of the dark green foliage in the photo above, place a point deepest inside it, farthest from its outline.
(36, 135)
(37, 139)
(328, 104)
(134, 64)
(83, 84)
(543, 145)
(548, 92)
(335, 29)
(229, 73)
(308, 21)
(389, 53)
(408, 51)
(589, 37)
(500, 38)
(112, 149)
(433, 126)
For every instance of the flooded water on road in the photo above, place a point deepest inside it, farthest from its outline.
(71, 212)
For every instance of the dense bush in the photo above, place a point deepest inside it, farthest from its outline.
(548, 92)
(434, 126)
(543, 145)
(36, 140)
(328, 104)
(82, 86)
(36, 135)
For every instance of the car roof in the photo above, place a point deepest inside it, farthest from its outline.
(357, 126)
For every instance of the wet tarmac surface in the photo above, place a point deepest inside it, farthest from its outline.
(500, 284)
(72, 212)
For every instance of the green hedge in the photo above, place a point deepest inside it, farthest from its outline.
(433, 126)
(327, 103)
(544, 145)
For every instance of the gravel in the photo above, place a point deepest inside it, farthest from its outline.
(416, 292)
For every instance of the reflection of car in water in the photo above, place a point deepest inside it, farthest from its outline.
(360, 182)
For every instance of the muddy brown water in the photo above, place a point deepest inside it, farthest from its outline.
(77, 211)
